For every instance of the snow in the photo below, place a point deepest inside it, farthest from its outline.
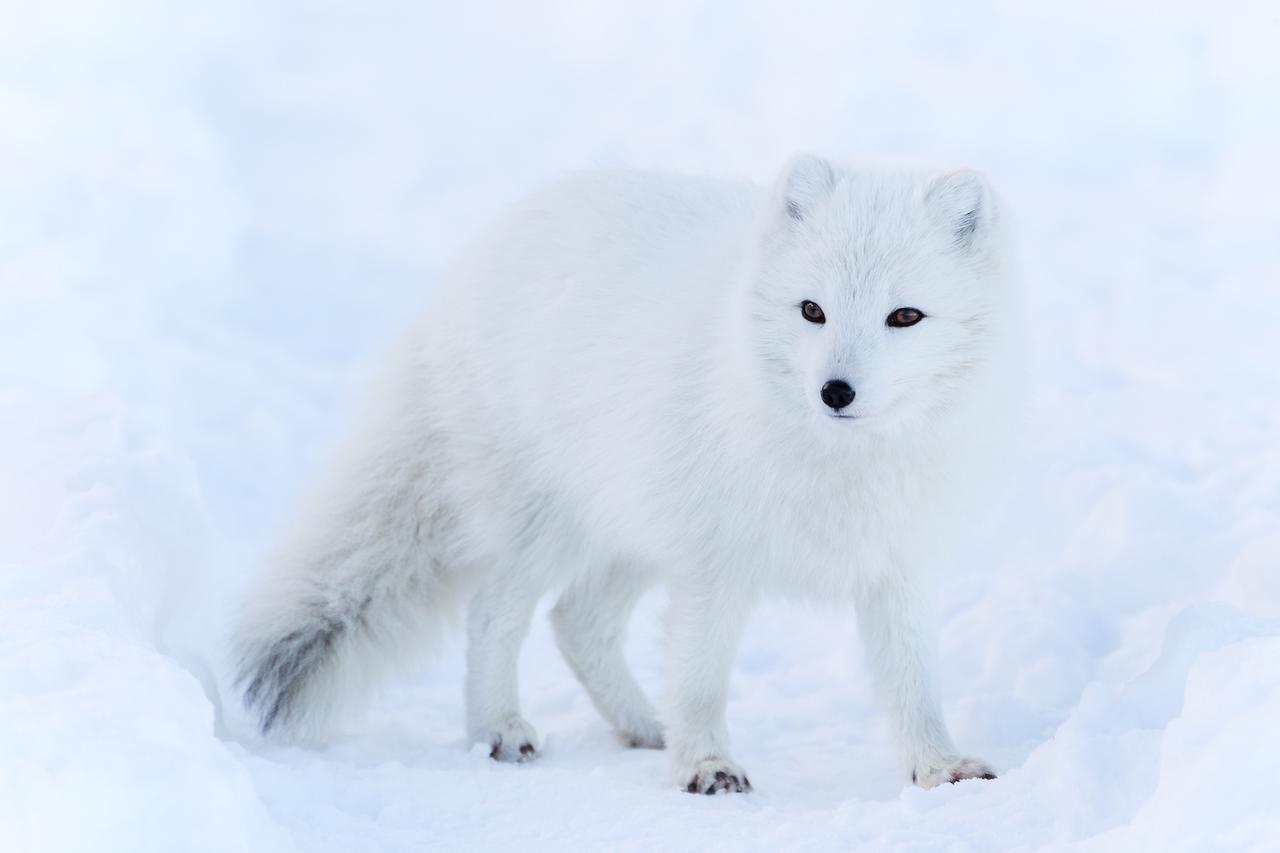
(213, 218)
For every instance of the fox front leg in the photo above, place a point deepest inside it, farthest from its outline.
(896, 622)
(703, 629)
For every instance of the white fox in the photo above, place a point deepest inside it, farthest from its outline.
(641, 378)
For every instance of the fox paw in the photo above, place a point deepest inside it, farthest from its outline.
(951, 770)
(645, 734)
(714, 775)
(512, 740)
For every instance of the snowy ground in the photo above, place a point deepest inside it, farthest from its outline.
(213, 218)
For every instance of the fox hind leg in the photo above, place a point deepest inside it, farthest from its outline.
(590, 621)
(497, 624)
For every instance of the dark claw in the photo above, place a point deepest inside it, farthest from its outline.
(723, 781)
(526, 749)
(497, 747)
(987, 776)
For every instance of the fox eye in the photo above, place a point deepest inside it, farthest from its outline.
(904, 317)
(812, 312)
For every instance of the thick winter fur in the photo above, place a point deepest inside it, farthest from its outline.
(618, 388)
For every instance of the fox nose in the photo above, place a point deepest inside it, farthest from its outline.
(837, 394)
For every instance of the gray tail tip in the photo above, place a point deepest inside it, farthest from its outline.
(275, 676)
(262, 697)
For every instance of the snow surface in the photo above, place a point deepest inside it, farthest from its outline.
(213, 217)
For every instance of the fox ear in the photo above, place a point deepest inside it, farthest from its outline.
(964, 203)
(805, 182)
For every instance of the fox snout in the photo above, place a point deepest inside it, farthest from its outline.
(836, 393)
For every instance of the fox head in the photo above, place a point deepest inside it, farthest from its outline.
(874, 294)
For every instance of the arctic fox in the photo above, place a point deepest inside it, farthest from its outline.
(642, 378)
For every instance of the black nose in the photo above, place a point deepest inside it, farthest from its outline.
(837, 394)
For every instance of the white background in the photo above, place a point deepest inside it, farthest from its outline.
(213, 218)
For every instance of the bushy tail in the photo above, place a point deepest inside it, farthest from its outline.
(360, 586)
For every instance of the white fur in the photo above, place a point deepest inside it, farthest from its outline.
(616, 389)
